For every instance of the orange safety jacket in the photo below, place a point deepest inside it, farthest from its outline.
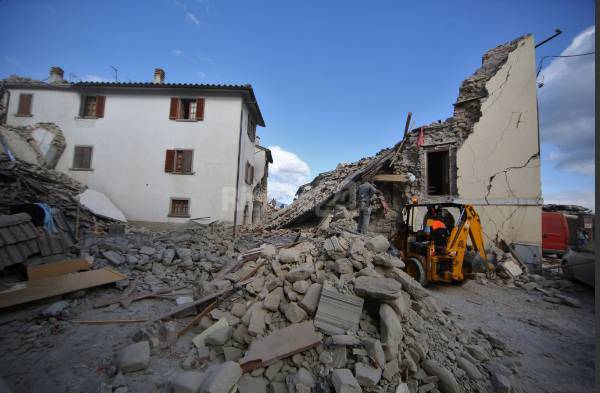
(435, 224)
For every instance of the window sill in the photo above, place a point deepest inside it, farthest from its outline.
(179, 216)
(86, 117)
(187, 120)
(82, 169)
(17, 115)
(181, 174)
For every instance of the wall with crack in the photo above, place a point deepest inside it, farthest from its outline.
(498, 165)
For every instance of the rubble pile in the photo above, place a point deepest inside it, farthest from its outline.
(329, 189)
(304, 312)
(22, 183)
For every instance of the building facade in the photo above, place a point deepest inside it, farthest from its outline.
(162, 152)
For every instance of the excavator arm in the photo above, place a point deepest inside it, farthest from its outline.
(469, 226)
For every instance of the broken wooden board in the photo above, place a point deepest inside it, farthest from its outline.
(53, 286)
(57, 268)
(278, 345)
(390, 177)
(337, 313)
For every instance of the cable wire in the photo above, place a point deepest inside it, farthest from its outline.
(548, 57)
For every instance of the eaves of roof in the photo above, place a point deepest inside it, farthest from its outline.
(244, 89)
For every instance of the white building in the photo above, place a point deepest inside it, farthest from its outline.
(162, 152)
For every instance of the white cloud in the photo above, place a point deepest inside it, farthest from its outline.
(192, 18)
(286, 174)
(571, 197)
(177, 52)
(96, 78)
(567, 106)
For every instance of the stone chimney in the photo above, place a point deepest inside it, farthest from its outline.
(56, 75)
(159, 75)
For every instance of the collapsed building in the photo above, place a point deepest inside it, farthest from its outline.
(487, 154)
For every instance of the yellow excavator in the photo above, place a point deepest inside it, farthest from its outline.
(438, 251)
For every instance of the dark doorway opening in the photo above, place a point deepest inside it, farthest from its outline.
(438, 173)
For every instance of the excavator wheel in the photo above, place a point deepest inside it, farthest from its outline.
(415, 269)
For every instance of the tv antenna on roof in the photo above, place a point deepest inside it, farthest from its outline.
(116, 71)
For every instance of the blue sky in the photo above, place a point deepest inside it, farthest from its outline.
(334, 80)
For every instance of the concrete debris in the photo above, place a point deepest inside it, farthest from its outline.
(221, 378)
(367, 375)
(187, 382)
(338, 313)
(134, 357)
(344, 382)
(377, 288)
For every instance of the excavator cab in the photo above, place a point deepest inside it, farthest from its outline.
(436, 247)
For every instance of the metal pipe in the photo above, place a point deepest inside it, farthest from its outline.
(556, 34)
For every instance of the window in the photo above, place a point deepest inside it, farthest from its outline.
(24, 108)
(251, 129)
(82, 157)
(92, 106)
(180, 208)
(438, 173)
(249, 175)
(186, 109)
(179, 161)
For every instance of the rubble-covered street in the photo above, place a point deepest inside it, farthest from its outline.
(377, 329)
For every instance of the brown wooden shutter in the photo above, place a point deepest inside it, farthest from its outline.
(82, 158)
(87, 157)
(199, 108)
(170, 161)
(77, 157)
(100, 100)
(188, 157)
(24, 104)
(174, 108)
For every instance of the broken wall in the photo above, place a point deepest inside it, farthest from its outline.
(498, 164)
(39, 144)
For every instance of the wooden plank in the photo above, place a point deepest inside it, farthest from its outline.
(118, 299)
(197, 318)
(53, 286)
(108, 321)
(279, 345)
(57, 268)
(390, 177)
(205, 299)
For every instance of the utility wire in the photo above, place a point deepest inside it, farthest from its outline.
(548, 57)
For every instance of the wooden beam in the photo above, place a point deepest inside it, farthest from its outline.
(390, 177)
(57, 268)
(53, 286)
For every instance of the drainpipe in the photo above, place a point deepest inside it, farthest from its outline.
(237, 178)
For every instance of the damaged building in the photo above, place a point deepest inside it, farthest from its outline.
(162, 152)
(487, 154)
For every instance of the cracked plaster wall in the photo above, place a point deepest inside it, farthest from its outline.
(498, 165)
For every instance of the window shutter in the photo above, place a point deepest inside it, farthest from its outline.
(188, 157)
(24, 104)
(174, 108)
(77, 157)
(100, 100)
(170, 161)
(86, 157)
(200, 109)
